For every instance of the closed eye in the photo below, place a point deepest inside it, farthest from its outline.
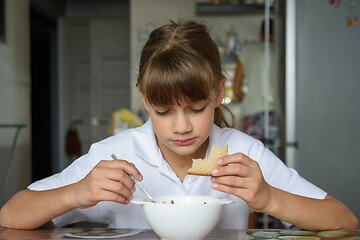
(162, 113)
(198, 110)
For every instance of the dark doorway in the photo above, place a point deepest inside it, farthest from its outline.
(43, 32)
(2, 21)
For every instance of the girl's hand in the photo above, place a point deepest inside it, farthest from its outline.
(241, 176)
(107, 181)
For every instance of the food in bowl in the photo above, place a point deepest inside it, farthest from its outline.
(183, 216)
(204, 166)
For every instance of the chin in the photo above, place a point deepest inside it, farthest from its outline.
(187, 150)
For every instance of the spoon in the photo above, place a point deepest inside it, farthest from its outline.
(138, 184)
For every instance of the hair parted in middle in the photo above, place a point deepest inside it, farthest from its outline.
(181, 62)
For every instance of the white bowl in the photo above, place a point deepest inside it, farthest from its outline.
(183, 216)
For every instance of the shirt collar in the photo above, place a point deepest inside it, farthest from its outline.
(145, 144)
(215, 138)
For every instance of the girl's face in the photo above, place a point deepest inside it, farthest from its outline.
(185, 127)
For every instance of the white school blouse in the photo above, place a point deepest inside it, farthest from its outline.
(139, 147)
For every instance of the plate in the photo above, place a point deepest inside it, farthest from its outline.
(101, 233)
(297, 233)
(264, 234)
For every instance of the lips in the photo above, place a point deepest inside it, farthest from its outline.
(184, 142)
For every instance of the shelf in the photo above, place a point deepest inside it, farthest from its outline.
(221, 9)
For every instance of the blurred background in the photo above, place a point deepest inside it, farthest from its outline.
(68, 70)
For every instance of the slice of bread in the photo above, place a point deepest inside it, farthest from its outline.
(204, 166)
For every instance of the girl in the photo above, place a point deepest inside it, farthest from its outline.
(182, 88)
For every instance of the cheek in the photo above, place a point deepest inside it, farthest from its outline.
(160, 126)
(156, 123)
(206, 122)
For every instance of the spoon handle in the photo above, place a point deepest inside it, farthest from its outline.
(137, 183)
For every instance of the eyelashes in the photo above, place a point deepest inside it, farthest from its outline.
(163, 113)
(198, 110)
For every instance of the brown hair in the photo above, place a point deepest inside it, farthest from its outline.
(179, 62)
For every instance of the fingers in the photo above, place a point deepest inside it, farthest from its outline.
(110, 181)
(119, 176)
(239, 175)
(235, 158)
(227, 189)
(119, 188)
(236, 172)
(231, 170)
(123, 165)
(236, 164)
(233, 181)
(98, 195)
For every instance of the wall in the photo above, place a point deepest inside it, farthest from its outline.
(327, 89)
(15, 96)
(97, 9)
(161, 11)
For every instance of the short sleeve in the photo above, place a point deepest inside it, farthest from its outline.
(278, 175)
(73, 173)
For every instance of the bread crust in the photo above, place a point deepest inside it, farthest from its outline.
(200, 174)
(203, 167)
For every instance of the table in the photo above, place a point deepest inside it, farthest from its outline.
(59, 233)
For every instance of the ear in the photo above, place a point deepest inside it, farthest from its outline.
(221, 92)
(145, 103)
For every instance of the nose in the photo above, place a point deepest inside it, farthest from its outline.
(182, 124)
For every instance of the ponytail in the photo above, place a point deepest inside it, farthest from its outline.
(220, 118)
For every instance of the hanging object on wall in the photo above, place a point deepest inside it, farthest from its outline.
(351, 4)
(335, 3)
(351, 21)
